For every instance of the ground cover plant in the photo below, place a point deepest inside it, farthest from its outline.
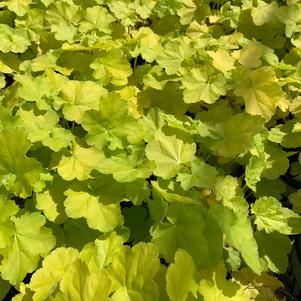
(149, 150)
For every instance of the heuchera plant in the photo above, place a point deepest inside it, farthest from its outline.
(149, 150)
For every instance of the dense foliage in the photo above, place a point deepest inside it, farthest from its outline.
(149, 150)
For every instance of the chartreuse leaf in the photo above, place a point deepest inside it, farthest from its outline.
(216, 287)
(257, 163)
(43, 128)
(126, 168)
(126, 11)
(174, 53)
(236, 226)
(112, 68)
(271, 216)
(236, 134)
(18, 173)
(7, 120)
(250, 55)
(96, 18)
(100, 217)
(11, 40)
(264, 12)
(186, 11)
(52, 198)
(63, 18)
(226, 188)
(80, 164)
(109, 123)
(147, 44)
(180, 277)
(46, 279)
(29, 240)
(133, 271)
(35, 89)
(222, 60)
(169, 154)
(32, 23)
(290, 16)
(260, 91)
(203, 85)
(8, 209)
(125, 121)
(277, 162)
(192, 229)
(78, 97)
(101, 253)
(167, 7)
(19, 7)
(202, 175)
(79, 284)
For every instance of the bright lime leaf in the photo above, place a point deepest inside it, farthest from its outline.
(222, 60)
(44, 128)
(19, 7)
(133, 271)
(80, 164)
(112, 68)
(215, 287)
(18, 173)
(260, 91)
(290, 16)
(46, 279)
(169, 153)
(202, 175)
(271, 216)
(30, 241)
(277, 162)
(236, 226)
(78, 97)
(174, 53)
(257, 163)
(101, 253)
(96, 18)
(63, 18)
(126, 168)
(110, 123)
(227, 188)
(8, 209)
(37, 89)
(147, 44)
(51, 200)
(236, 134)
(99, 217)
(191, 229)
(180, 277)
(79, 284)
(264, 13)
(203, 85)
(11, 40)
